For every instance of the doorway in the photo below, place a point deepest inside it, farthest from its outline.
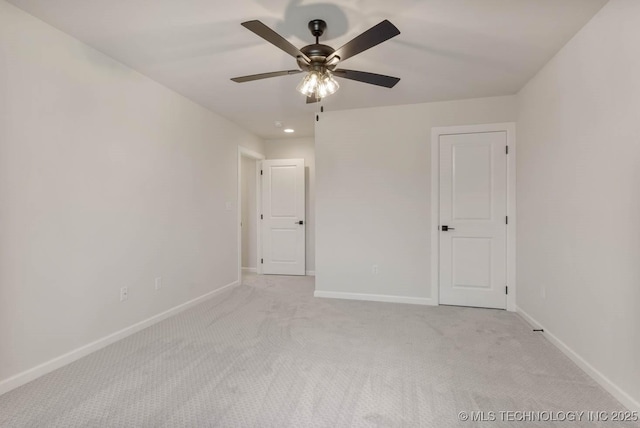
(282, 218)
(473, 216)
(248, 211)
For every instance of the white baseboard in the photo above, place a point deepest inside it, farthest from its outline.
(51, 365)
(311, 273)
(250, 270)
(374, 297)
(596, 375)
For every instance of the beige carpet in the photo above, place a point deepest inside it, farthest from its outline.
(269, 354)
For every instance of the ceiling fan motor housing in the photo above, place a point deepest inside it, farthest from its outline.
(318, 54)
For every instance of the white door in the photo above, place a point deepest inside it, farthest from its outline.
(473, 230)
(283, 219)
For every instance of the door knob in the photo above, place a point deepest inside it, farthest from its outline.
(446, 228)
(300, 222)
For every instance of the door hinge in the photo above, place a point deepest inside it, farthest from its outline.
(506, 290)
(506, 220)
(260, 172)
(506, 149)
(261, 261)
(261, 217)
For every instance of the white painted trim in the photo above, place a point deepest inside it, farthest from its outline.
(258, 214)
(375, 298)
(249, 269)
(510, 129)
(54, 364)
(243, 151)
(434, 229)
(512, 214)
(311, 273)
(626, 399)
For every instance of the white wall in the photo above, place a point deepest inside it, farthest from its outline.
(301, 148)
(373, 194)
(249, 213)
(107, 179)
(579, 197)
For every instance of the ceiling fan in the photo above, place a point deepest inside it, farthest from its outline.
(321, 61)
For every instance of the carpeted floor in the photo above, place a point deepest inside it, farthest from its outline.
(269, 354)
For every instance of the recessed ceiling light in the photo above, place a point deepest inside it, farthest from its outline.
(289, 131)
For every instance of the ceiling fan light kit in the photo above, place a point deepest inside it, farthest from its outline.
(320, 61)
(318, 84)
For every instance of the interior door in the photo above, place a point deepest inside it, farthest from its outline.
(473, 230)
(283, 217)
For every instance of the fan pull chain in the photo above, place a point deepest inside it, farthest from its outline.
(320, 110)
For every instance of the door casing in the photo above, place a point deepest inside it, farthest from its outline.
(510, 130)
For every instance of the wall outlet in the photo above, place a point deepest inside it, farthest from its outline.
(158, 283)
(374, 269)
(124, 294)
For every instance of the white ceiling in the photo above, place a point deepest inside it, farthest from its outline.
(448, 49)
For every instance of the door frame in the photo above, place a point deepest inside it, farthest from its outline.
(258, 157)
(261, 232)
(510, 129)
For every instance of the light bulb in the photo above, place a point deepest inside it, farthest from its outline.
(309, 84)
(327, 85)
(318, 84)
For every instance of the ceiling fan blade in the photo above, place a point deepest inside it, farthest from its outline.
(274, 38)
(264, 75)
(371, 78)
(311, 100)
(370, 38)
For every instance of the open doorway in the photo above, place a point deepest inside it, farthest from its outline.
(248, 206)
